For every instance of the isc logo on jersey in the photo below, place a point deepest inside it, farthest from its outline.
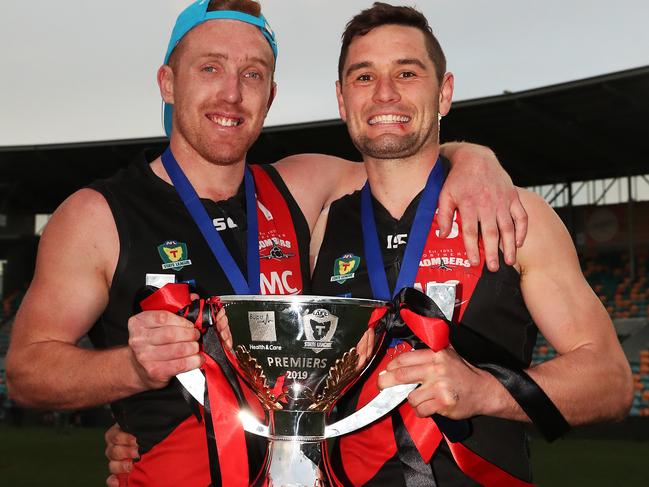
(222, 223)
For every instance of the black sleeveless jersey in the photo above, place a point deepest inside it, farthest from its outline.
(152, 221)
(490, 303)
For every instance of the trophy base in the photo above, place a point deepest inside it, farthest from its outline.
(295, 464)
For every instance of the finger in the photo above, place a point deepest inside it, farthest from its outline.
(159, 373)
(194, 296)
(120, 467)
(445, 212)
(226, 338)
(414, 357)
(441, 392)
(168, 335)
(220, 315)
(507, 237)
(470, 235)
(519, 215)
(363, 349)
(185, 364)
(401, 375)
(172, 351)
(158, 318)
(112, 481)
(223, 328)
(124, 439)
(422, 394)
(112, 433)
(119, 452)
(489, 232)
(427, 408)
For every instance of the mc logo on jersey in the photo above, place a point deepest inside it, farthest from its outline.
(345, 267)
(173, 255)
(319, 329)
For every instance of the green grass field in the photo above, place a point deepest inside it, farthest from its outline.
(32, 457)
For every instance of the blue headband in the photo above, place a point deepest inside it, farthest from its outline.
(195, 15)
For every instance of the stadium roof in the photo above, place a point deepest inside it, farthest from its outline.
(588, 129)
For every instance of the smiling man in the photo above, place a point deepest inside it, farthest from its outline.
(393, 91)
(190, 216)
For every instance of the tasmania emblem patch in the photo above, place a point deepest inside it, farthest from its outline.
(345, 267)
(173, 255)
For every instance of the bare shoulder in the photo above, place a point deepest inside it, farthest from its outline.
(535, 202)
(83, 225)
(541, 216)
(548, 242)
(85, 213)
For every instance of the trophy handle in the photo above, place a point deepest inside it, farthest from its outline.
(382, 404)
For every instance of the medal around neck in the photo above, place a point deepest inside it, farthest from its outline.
(299, 355)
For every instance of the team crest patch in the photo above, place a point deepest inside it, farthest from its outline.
(345, 267)
(173, 255)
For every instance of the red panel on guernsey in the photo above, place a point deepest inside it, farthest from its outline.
(171, 464)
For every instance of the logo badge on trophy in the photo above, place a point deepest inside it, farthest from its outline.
(319, 329)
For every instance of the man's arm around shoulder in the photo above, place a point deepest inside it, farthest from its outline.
(315, 180)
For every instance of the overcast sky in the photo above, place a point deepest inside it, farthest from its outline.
(79, 70)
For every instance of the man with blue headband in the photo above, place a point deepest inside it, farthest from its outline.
(189, 217)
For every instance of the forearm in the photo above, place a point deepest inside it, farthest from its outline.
(584, 388)
(455, 151)
(58, 375)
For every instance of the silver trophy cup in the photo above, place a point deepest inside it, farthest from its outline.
(299, 354)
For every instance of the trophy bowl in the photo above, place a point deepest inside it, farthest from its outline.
(299, 354)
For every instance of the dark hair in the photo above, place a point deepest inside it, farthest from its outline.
(384, 14)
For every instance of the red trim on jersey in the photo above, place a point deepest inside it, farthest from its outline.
(172, 462)
(482, 471)
(281, 274)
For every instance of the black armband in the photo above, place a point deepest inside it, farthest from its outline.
(509, 370)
